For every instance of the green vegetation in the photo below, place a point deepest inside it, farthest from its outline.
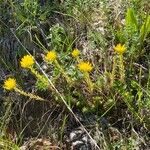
(69, 64)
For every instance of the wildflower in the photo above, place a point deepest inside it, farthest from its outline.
(27, 61)
(51, 56)
(9, 84)
(120, 49)
(85, 66)
(75, 53)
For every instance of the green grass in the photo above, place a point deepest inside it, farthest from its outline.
(117, 89)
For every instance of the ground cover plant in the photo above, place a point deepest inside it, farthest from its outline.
(75, 74)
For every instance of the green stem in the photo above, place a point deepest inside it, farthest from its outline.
(40, 77)
(35, 73)
(121, 68)
(63, 72)
(113, 71)
(29, 94)
(89, 82)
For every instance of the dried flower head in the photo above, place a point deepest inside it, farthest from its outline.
(85, 66)
(75, 53)
(51, 56)
(27, 61)
(120, 49)
(9, 84)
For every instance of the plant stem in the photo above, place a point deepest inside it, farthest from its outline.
(35, 73)
(29, 94)
(63, 72)
(121, 68)
(113, 71)
(89, 82)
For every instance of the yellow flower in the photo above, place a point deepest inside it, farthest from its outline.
(27, 61)
(85, 66)
(9, 84)
(51, 56)
(75, 53)
(120, 49)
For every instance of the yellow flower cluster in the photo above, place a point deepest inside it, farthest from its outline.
(51, 56)
(75, 53)
(85, 66)
(120, 49)
(9, 84)
(27, 61)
